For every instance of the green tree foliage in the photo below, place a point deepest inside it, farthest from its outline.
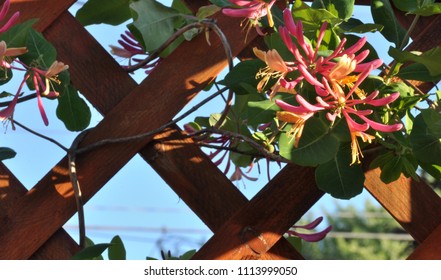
(383, 234)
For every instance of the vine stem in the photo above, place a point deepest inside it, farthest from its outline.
(403, 44)
(76, 187)
(262, 151)
(149, 133)
(19, 100)
(207, 25)
(40, 135)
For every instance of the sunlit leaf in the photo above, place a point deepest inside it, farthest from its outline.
(431, 59)
(153, 23)
(340, 8)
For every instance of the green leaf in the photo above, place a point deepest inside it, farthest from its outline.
(383, 14)
(426, 144)
(261, 112)
(340, 8)
(153, 23)
(5, 76)
(338, 178)
(116, 249)
(73, 110)
(356, 26)
(417, 71)
(431, 59)
(113, 12)
(296, 242)
(243, 73)
(6, 153)
(433, 120)
(221, 3)
(187, 255)
(316, 146)
(311, 18)
(406, 5)
(207, 11)
(92, 252)
(240, 159)
(40, 50)
(391, 170)
(428, 10)
(17, 35)
(433, 170)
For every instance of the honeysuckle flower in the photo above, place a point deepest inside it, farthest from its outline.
(239, 175)
(46, 88)
(8, 112)
(6, 53)
(276, 68)
(309, 237)
(345, 106)
(295, 115)
(252, 10)
(11, 21)
(335, 68)
(132, 50)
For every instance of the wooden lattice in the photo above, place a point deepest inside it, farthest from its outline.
(31, 221)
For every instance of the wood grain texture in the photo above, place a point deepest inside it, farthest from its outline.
(93, 71)
(430, 249)
(413, 204)
(46, 11)
(157, 100)
(59, 247)
(259, 224)
(198, 182)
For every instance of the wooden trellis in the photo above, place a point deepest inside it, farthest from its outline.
(31, 221)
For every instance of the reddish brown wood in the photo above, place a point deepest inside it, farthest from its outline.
(258, 225)
(154, 102)
(203, 187)
(413, 204)
(430, 249)
(59, 246)
(93, 71)
(46, 11)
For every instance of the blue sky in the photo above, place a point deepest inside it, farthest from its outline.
(136, 204)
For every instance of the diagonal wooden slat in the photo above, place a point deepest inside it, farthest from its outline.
(59, 246)
(259, 224)
(46, 11)
(105, 94)
(413, 204)
(154, 102)
(198, 182)
(430, 249)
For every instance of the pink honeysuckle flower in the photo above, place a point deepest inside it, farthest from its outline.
(276, 68)
(344, 106)
(132, 50)
(335, 68)
(46, 88)
(295, 115)
(6, 54)
(8, 112)
(11, 21)
(309, 237)
(253, 10)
